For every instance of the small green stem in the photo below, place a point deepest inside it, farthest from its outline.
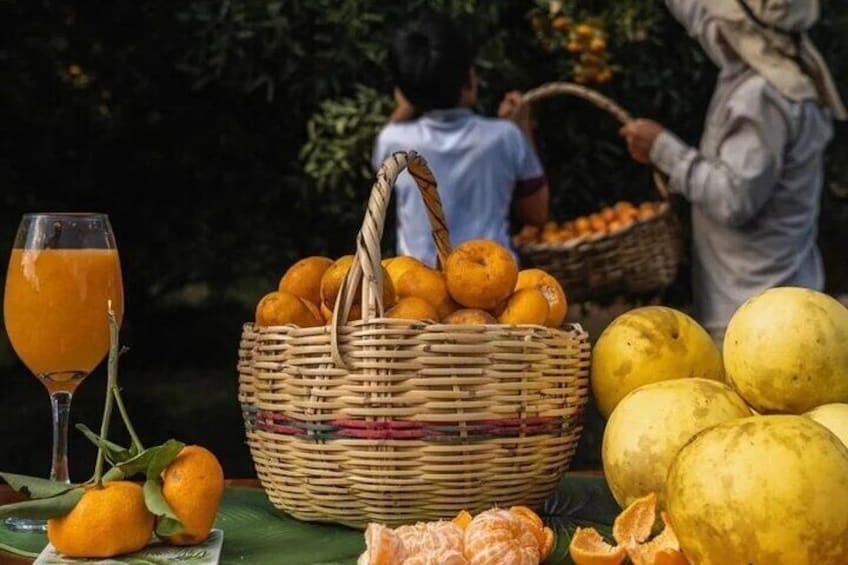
(126, 418)
(111, 382)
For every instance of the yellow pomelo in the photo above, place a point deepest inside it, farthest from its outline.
(834, 417)
(648, 345)
(652, 423)
(763, 489)
(786, 350)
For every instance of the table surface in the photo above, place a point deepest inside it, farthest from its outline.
(7, 495)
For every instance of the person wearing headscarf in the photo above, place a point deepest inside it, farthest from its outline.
(755, 181)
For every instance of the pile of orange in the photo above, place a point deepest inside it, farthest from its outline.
(610, 220)
(632, 533)
(493, 537)
(481, 284)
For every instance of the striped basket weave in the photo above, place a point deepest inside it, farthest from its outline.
(639, 259)
(398, 420)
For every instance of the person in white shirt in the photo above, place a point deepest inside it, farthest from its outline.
(485, 167)
(755, 181)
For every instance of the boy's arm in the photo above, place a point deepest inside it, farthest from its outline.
(512, 107)
(404, 111)
(533, 208)
(532, 198)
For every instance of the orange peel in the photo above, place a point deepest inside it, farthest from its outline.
(589, 548)
(635, 523)
(664, 548)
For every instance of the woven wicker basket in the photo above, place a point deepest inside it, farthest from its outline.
(639, 259)
(398, 420)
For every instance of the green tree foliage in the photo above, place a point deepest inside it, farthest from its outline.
(228, 137)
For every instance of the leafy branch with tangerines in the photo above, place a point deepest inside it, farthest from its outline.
(109, 514)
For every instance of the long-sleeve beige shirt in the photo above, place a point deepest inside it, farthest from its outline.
(754, 184)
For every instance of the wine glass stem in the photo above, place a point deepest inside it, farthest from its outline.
(61, 403)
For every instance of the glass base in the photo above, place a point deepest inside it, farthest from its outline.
(26, 525)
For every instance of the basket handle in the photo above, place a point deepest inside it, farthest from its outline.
(367, 268)
(553, 89)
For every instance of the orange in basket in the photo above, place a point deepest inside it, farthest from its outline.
(481, 274)
(413, 308)
(526, 306)
(283, 308)
(552, 291)
(423, 282)
(470, 317)
(303, 279)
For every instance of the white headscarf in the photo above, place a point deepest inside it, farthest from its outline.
(770, 36)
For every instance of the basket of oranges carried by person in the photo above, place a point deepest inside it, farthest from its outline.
(387, 391)
(623, 249)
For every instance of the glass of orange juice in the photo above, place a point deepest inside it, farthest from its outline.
(63, 276)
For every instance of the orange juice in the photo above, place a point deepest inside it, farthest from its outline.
(55, 310)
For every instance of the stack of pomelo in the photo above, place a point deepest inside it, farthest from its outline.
(481, 284)
(737, 487)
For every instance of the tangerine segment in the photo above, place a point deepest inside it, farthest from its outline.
(436, 557)
(500, 537)
(382, 546)
(425, 537)
(463, 519)
(635, 523)
(544, 536)
(589, 548)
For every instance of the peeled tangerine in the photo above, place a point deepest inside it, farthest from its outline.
(652, 423)
(786, 350)
(648, 345)
(763, 489)
(496, 537)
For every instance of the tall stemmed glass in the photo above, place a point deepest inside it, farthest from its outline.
(63, 274)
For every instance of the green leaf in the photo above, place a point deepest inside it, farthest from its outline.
(43, 508)
(168, 527)
(139, 463)
(163, 457)
(113, 452)
(35, 487)
(156, 503)
(113, 474)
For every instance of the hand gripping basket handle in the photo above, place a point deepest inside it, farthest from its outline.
(366, 268)
(568, 88)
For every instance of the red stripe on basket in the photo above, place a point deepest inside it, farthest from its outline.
(384, 434)
(371, 425)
